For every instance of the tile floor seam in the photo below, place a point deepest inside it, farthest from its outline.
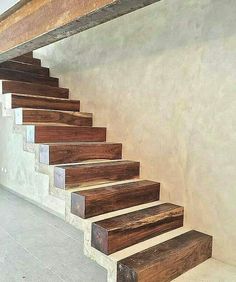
(56, 228)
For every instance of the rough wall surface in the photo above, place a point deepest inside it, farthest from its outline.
(162, 80)
(19, 171)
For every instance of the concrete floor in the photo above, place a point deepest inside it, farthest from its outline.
(37, 246)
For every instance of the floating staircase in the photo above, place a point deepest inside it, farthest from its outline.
(124, 221)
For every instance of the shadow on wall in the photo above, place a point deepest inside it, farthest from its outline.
(164, 26)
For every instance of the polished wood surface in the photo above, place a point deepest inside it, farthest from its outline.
(73, 153)
(116, 233)
(26, 88)
(24, 101)
(77, 175)
(50, 117)
(57, 134)
(166, 261)
(92, 202)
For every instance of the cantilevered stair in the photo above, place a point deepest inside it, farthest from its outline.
(82, 157)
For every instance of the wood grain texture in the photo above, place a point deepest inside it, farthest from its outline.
(27, 60)
(77, 175)
(50, 117)
(17, 66)
(53, 154)
(114, 234)
(26, 88)
(92, 202)
(55, 134)
(166, 261)
(6, 74)
(24, 101)
(42, 22)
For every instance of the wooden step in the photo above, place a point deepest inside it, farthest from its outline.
(77, 175)
(55, 134)
(92, 202)
(166, 261)
(114, 234)
(50, 117)
(29, 55)
(52, 154)
(27, 60)
(26, 88)
(6, 74)
(13, 101)
(17, 66)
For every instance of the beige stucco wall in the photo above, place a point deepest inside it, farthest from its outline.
(162, 80)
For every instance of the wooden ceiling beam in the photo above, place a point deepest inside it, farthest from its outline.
(38, 23)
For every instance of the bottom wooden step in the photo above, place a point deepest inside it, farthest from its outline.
(166, 261)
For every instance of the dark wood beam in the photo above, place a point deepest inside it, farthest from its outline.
(38, 23)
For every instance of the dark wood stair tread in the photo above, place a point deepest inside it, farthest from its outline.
(29, 54)
(13, 101)
(27, 60)
(100, 172)
(52, 117)
(92, 202)
(166, 261)
(18, 66)
(116, 233)
(6, 74)
(55, 134)
(73, 153)
(27, 88)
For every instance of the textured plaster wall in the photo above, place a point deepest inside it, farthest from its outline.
(19, 169)
(163, 81)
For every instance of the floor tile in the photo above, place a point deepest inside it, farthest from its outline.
(38, 246)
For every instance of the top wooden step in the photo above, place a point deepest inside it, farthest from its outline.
(29, 55)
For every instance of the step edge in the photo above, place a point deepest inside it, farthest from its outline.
(33, 83)
(127, 252)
